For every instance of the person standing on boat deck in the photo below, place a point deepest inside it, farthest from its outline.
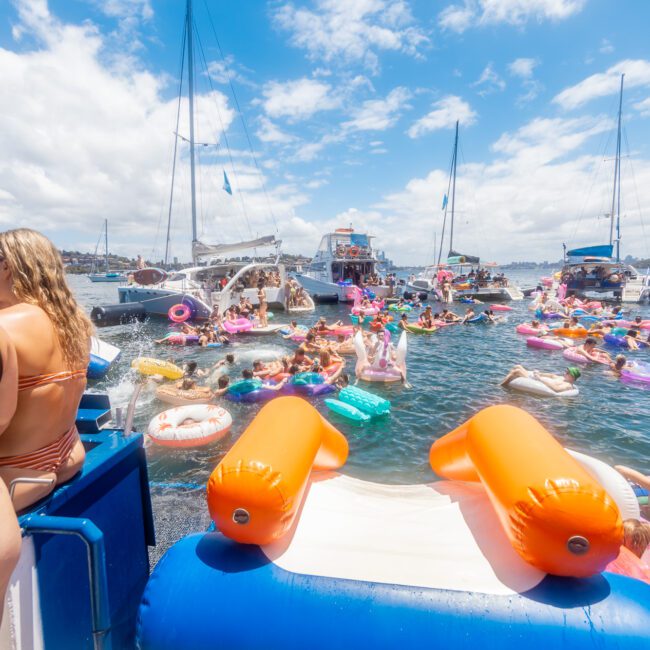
(139, 263)
(261, 297)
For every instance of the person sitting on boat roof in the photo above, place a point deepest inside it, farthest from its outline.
(140, 263)
(46, 353)
(557, 383)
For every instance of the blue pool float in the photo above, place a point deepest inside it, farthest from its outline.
(347, 410)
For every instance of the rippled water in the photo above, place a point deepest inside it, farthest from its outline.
(454, 373)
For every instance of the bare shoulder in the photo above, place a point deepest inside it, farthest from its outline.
(22, 315)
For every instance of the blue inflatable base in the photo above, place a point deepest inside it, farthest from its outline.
(209, 592)
(97, 367)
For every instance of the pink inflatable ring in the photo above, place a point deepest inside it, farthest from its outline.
(179, 313)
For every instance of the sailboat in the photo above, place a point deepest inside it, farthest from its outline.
(470, 278)
(107, 275)
(593, 271)
(214, 281)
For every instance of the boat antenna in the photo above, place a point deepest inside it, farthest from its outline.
(616, 194)
(190, 74)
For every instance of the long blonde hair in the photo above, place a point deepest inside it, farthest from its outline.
(39, 279)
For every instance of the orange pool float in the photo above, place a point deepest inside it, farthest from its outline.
(255, 492)
(556, 516)
(573, 333)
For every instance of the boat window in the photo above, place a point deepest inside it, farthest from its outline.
(176, 277)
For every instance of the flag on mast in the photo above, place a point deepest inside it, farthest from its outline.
(226, 183)
(444, 201)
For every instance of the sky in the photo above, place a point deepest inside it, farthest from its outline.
(343, 113)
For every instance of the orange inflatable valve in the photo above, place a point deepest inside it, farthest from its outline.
(556, 516)
(255, 492)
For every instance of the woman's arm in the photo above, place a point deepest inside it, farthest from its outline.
(8, 380)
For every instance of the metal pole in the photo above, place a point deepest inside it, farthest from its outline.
(106, 243)
(453, 191)
(190, 72)
(617, 178)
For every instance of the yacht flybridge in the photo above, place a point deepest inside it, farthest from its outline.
(344, 260)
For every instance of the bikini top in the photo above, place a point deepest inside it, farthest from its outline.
(25, 383)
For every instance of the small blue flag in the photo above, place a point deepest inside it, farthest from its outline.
(226, 183)
(444, 201)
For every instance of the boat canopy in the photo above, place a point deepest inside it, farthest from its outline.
(603, 250)
(457, 258)
(199, 249)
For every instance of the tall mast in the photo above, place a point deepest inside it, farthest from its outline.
(106, 244)
(616, 194)
(453, 189)
(190, 73)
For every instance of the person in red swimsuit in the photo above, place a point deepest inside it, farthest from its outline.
(39, 447)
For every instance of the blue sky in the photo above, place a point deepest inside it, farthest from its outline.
(350, 106)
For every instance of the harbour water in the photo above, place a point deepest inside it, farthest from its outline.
(453, 373)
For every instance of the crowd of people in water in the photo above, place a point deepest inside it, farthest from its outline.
(44, 354)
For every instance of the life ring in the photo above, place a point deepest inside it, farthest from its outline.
(210, 423)
(179, 313)
(353, 251)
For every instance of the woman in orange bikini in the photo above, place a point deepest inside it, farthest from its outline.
(40, 446)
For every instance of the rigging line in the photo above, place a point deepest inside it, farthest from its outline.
(605, 137)
(444, 218)
(178, 117)
(225, 139)
(636, 192)
(241, 117)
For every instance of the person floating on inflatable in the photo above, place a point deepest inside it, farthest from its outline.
(557, 383)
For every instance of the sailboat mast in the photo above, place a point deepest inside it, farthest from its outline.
(616, 194)
(106, 244)
(453, 190)
(190, 72)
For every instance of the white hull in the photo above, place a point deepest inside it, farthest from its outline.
(107, 277)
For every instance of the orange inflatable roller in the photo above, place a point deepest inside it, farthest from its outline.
(255, 492)
(557, 517)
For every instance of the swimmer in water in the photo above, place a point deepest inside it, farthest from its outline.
(589, 351)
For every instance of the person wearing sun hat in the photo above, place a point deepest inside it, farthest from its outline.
(557, 383)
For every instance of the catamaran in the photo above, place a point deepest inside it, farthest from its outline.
(592, 271)
(214, 280)
(107, 275)
(344, 260)
(470, 278)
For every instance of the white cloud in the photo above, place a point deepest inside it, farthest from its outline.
(643, 107)
(298, 99)
(605, 47)
(471, 13)
(443, 116)
(270, 132)
(343, 31)
(489, 81)
(88, 140)
(523, 67)
(539, 189)
(227, 70)
(379, 114)
(602, 84)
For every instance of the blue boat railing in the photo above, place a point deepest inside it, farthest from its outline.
(93, 538)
